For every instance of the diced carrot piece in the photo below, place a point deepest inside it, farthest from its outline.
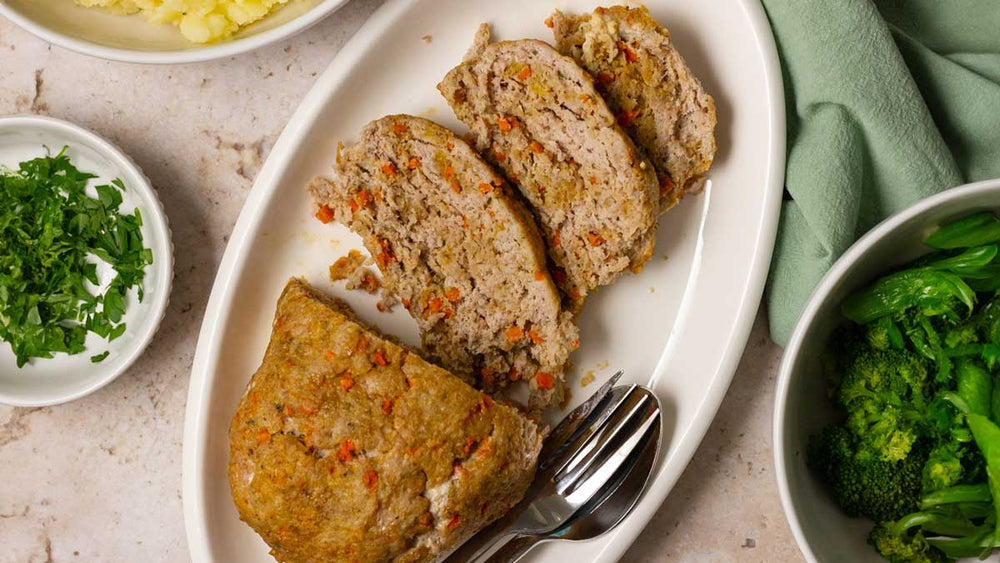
(506, 124)
(346, 383)
(576, 343)
(325, 214)
(398, 128)
(380, 358)
(434, 304)
(387, 406)
(514, 333)
(485, 188)
(535, 337)
(448, 172)
(595, 239)
(587, 99)
(555, 239)
(364, 198)
(453, 294)
(329, 355)
(390, 169)
(539, 275)
(413, 163)
(537, 147)
(263, 436)
(630, 55)
(524, 74)
(470, 442)
(545, 380)
(449, 313)
(549, 23)
(353, 205)
(449, 145)
(453, 523)
(346, 451)
(406, 304)
(456, 186)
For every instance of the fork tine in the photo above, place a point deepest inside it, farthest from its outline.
(612, 443)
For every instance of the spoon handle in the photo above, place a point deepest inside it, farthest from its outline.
(514, 549)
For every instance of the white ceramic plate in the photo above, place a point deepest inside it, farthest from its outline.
(64, 378)
(680, 327)
(132, 39)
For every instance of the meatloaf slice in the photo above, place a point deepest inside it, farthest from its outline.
(463, 255)
(649, 87)
(535, 114)
(349, 447)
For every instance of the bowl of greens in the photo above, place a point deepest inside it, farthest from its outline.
(887, 415)
(86, 261)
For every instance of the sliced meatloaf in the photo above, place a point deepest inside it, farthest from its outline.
(459, 250)
(349, 447)
(535, 114)
(650, 89)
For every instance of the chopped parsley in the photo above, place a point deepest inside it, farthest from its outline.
(52, 236)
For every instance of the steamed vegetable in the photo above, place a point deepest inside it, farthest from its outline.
(914, 374)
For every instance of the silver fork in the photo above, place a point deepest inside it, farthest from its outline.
(583, 463)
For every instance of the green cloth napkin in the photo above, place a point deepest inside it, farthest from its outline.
(887, 102)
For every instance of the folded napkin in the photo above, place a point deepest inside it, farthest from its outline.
(887, 102)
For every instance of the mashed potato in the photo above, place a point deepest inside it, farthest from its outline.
(201, 21)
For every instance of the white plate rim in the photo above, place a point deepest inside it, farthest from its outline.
(178, 56)
(614, 544)
(808, 316)
(155, 217)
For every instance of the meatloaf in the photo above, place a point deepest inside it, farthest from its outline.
(463, 255)
(650, 89)
(536, 115)
(349, 447)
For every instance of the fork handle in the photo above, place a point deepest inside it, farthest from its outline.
(481, 547)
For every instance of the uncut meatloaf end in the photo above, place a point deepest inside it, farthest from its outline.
(460, 251)
(350, 447)
(650, 89)
(536, 115)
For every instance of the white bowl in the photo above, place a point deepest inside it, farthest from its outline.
(64, 378)
(131, 39)
(802, 408)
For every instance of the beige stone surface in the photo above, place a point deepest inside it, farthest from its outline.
(99, 479)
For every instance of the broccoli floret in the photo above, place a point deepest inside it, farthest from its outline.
(865, 486)
(903, 547)
(944, 466)
(884, 393)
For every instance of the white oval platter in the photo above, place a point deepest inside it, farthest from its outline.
(680, 327)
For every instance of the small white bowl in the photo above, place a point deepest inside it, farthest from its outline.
(98, 33)
(64, 377)
(802, 408)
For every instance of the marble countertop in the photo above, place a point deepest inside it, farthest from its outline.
(99, 479)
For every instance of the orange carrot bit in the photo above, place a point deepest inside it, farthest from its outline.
(630, 55)
(524, 74)
(453, 294)
(595, 239)
(353, 205)
(380, 358)
(587, 99)
(545, 380)
(406, 304)
(555, 239)
(667, 184)
(485, 188)
(487, 401)
(325, 214)
(487, 374)
(453, 523)
(387, 406)
(361, 345)
(514, 333)
(549, 23)
(456, 186)
(535, 337)
(346, 383)
(413, 163)
(385, 256)
(506, 124)
(370, 478)
(539, 275)
(390, 169)
(263, 436)
(605, 77)
(364, 198)
(399, 128)
(499, 155)
(626, 117)
(449, 145)
(434, 304)
(346, 451)
(329, 355)
(537, 147)
(448, 172)
(574, 293)
(576, 343)
(513, 374)
(449, 313)
(289, 411)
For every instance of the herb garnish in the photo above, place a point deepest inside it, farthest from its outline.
(52, 235)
